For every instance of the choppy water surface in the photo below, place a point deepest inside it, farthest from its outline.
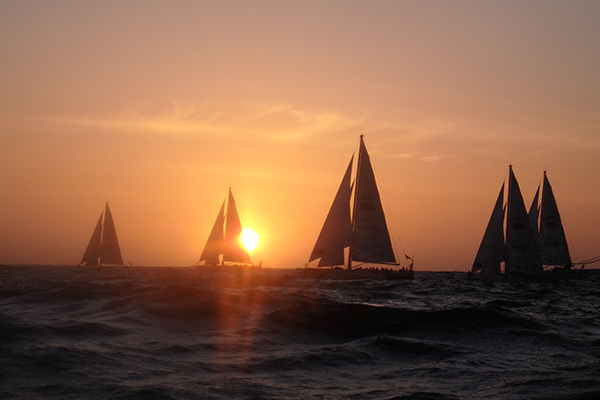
(183, 333)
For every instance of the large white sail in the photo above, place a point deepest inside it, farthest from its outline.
(554, 248)
(93, 251)
(337, 229)
(522, 256)
(215, 244)
(491, 250)
(371, 240)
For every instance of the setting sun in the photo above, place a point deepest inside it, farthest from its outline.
(249, 239)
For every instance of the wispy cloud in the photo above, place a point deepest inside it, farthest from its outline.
(179, 119)
(403, 155)
(279, 122)
(416, 157)
(285, 123)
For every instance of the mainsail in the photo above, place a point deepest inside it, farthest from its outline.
(371, 238)
(365, 231)
(224, 243)
(554, 249)
(103, 247)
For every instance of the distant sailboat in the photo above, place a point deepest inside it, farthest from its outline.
(224, 244)
(531, 239)
(103, 247)
(362, 228)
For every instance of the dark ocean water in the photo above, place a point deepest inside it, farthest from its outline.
(181, 333)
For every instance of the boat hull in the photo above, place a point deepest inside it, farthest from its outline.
(356, 274)
(576, 273)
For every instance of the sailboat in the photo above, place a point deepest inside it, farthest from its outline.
(362, 229)
(553, 246)
(224, 245)
(552, 242)
(103, 247)
(532, 239)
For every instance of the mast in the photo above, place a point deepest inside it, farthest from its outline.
(522, 256)
(355, 201)
(371, 242)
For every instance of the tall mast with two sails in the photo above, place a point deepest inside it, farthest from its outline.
(103, 247)
(224, 244)
(362, 228)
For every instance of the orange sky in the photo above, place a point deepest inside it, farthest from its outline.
(159, 106)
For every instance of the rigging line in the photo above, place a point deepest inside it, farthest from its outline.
(578, 292)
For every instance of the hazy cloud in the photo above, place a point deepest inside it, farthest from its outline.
(275, 122)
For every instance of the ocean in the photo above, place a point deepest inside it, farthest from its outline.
(184, 333)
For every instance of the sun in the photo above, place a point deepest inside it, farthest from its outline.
(249, 239)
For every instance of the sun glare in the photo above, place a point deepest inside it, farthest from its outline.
(249, 239)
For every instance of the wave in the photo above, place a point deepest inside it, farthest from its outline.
(350, 321)
(182, 333)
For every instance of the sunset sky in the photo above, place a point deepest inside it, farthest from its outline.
(158, 107)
